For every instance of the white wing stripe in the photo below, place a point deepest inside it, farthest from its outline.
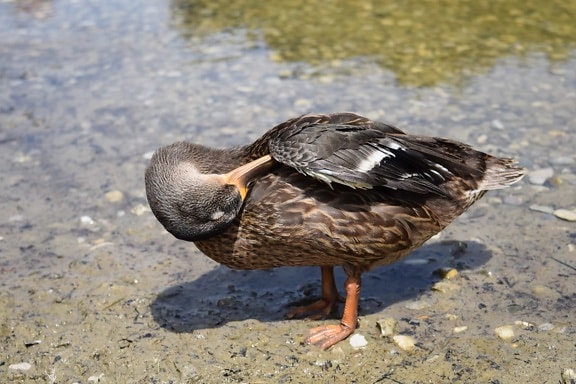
(373, 159)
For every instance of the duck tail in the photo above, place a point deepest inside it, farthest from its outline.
(500, 173)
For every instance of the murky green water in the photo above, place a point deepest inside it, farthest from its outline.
(93, 290)
(423, 43)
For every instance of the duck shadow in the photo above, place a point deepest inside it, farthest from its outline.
(224, 295)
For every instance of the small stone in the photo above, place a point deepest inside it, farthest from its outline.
(33, 342)
(326, 79)
(405, 342)
(540, 290)
(304, 104)
(484, 272)
(556, 181)
(460, 329)
(417, 305)
(542, 208)
(481, 139)
(497, 124)
(284, 74)
(358, 341)
(114, 196)
(14, 218)
(20, 366)
(494, 200)
(445, 287)
(539, 176)
(568, 376)
(565, 214)
(458, 248)
(523, 324)
(513, 200)
(545, 327)
(22, 158)
(505, 332)
(447, 273)
(95, 379)
(562, 160)
(324, 364)
(86, 220)
(139, 209)
(387, 326)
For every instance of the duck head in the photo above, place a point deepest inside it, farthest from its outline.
(189, 200)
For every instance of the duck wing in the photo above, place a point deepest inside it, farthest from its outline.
(351, 150)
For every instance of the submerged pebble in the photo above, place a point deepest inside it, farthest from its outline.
(539, 176)
(139, 209)
(86, 220)
(562, 160)
(565, 214)
(513, 200)
(556, 181)
(114, 196)
(497, 124)
(542, 208)
(14, 218)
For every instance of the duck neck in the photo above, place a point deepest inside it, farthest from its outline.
(219, 161)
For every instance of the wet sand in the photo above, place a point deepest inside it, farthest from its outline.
(93, 290)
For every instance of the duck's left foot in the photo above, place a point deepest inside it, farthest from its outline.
(323, 307)
(328, 335)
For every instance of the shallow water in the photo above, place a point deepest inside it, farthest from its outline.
(93, 290)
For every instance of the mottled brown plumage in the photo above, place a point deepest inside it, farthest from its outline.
(320, 190)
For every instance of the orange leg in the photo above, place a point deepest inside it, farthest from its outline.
(328, 335)
(324, 306)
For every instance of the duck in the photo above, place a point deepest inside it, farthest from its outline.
(326, 190)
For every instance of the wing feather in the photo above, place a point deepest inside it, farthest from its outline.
(359, 153)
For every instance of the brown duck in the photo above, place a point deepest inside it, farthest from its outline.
(323, 190)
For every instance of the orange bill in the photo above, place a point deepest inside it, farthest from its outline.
(241, 176)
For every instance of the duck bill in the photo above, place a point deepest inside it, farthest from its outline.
(241, 176)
